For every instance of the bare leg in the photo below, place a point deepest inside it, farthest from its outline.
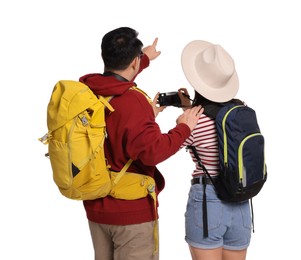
(206, 254)
(217, 254)
(234, 254)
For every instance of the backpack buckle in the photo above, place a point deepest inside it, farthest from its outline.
(84, 120)
(45, 138)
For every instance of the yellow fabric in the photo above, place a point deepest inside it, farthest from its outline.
(122, 172)
(75, 138)
(76, 134)
(131, 186)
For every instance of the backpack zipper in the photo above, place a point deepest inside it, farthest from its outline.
(240, 157)
(225, 134)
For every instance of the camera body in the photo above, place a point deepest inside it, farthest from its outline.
(170, 99)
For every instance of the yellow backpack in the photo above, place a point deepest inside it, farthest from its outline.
(75, 138)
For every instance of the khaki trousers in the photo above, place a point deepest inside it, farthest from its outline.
(130, 242)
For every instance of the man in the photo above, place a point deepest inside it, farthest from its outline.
(124, 229)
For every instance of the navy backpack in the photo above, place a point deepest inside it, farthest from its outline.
(243, 170)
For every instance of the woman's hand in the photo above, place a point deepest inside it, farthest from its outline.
(184, 97)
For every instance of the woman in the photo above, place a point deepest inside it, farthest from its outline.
(211, 72)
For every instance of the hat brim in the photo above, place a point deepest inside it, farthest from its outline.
(188, 60)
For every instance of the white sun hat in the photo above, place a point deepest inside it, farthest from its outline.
(210, 70)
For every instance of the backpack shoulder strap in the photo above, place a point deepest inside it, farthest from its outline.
(105, 101)
(204, 204)
(142, 92)
(211, 109)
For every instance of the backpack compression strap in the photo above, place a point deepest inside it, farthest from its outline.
(123, 170)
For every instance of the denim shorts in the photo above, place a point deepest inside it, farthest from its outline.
(229, 224)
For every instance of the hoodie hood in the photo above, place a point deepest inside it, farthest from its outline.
(106, 85)
(109, 85)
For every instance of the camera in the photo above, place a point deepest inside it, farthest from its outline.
(170, 99)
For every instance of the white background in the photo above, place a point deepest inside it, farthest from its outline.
(45, 41)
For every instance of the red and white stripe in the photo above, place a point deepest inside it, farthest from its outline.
(204, 138)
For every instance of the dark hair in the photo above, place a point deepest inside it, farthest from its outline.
(119, 47)
(211, 108)
(200, 100)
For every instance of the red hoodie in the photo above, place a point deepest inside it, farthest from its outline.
(132, 133)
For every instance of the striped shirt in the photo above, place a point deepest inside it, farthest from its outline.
(204, 138)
